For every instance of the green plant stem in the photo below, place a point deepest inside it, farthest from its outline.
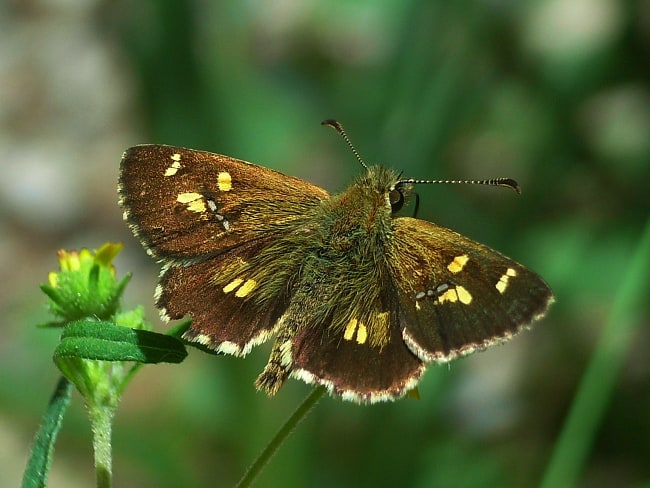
(101, 417)
(265, 456)
(595, 390)
(38, 466)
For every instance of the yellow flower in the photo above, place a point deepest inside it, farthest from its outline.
(85, 284)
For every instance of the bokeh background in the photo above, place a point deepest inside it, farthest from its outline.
(554, 93)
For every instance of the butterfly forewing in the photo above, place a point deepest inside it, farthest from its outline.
(186, 205)
(456, 295)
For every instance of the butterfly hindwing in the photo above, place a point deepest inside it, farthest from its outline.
(350, 367)
(353, 347)
(220, 297)
(184, 204)
(458, 296)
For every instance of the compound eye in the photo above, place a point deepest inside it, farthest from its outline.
(396, 199)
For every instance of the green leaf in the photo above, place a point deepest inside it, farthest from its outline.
(38, 466)
(109, 342)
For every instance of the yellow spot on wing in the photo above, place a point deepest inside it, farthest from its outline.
(171, 171)
(355, 326)
(194, 201)
(457, 265)
(502, 284)
(349, 330)
(456, 294)
(175, 166)
(188, 197)
(246, 288)
(463, 295)
(197, 206)
(448, 296)
(362, 333)
(224, 181)
(376, 332)
(232, 285)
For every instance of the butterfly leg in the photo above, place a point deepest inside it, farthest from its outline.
(279, 365)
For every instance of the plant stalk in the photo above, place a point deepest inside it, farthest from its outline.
(101, 417)
(265, 456)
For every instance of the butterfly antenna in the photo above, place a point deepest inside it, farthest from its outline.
(336, 125)
(507, 182)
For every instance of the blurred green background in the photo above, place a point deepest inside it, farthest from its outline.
(553, 93)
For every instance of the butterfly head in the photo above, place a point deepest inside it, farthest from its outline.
(395, 189)
(391, 192)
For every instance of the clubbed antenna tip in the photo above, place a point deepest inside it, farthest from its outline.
(336, 125)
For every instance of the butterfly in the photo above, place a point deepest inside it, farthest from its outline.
(357, 298)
